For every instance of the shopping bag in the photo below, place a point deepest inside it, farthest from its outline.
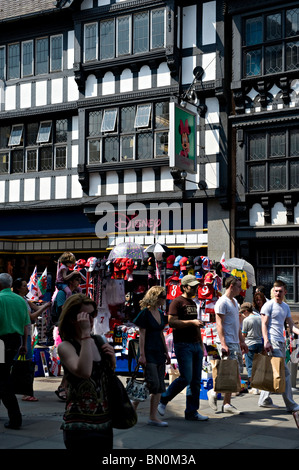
(173, 374)
(226, 376)
(137, 389)
(268, 373)
(22, 375)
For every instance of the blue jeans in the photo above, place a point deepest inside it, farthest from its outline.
(189, 357)
(252, 350)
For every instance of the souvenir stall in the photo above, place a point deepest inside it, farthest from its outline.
(118, 283)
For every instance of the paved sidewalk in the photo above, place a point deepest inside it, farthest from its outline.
(257, 428)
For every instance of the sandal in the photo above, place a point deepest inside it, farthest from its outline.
(28, 398)
(60, 392)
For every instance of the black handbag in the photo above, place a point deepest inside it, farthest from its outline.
(122, 411)
(22, 376)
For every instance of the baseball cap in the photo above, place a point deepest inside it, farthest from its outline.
(183, 263)
(189, 280)
(170, 261)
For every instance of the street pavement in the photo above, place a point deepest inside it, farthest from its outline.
(258, 428)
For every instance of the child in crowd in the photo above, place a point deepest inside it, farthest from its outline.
(252, 332)
(67, 262)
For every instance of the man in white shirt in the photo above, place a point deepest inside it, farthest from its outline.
(274, 314)
(230, 341)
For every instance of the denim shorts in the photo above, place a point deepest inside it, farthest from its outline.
(234, 353)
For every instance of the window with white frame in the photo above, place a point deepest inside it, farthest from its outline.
(126, 34)
(90, 42)
(56, 50)
(16, 135)
(36, 146)
(27, 58)
(31, 57)
(132, 132)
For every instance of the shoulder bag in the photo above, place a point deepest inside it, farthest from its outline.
(137, 389)
(122, 411)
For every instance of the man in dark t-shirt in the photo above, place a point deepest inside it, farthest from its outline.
(188, 350)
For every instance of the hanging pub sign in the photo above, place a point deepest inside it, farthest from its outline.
(182, 139)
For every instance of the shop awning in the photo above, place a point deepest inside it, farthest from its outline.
(41, 223)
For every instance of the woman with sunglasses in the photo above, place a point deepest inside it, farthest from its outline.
(153, 349)
(86, 421)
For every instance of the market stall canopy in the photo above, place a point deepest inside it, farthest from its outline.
(242, 265)
(127, 250)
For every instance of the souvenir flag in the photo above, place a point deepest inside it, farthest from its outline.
(42, 283)
(87, 285)
(32, 286)
(222, 262)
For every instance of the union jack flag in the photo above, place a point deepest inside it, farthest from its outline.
(87, 286)
(32, 286)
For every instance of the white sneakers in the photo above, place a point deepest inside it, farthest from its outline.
(212, 398)
(231, 410)
(161, 409)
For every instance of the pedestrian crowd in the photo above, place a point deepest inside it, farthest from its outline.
(242, 331)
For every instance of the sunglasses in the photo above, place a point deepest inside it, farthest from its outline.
(93, 314)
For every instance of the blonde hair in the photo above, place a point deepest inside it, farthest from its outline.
(151, 298)
(67, 257)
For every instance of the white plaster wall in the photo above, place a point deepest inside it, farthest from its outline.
(126, 81)
(130, 182)
(25, 95)
(91, 86)
(148, 180)
(108, 84)
(209, 23)
(60, 187)
(41, 93)
(212, 114)
(45, 189)
(14, 191)
(209, 66)
(29, 189)
(279, 214)
(57, 91)
(10, 98)
(256, 216)
(2, 191)
(72, 89)
(111, 183)
(189, 26)
(76, 189)
(166, 179)
(75, 128)
(70, 49)
(188, 65)
(163, 75)
(211, 141)
(212, 175)
(75, 156)
(94, 184)
(144, 78)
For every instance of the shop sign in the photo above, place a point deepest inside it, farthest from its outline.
(152, 219)
(182, 139)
